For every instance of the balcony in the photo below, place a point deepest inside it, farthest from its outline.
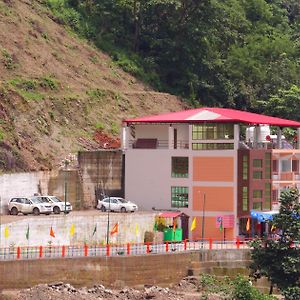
(286, 176)
(145, 143)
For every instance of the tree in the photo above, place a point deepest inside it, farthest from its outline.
(279, 259)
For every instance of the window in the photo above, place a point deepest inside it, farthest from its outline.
(245, 167)
(180, 196)
(212, 131)
(180, 167)
(268, 169)
(257, 175)
(212, 146)
(275, 166)
(257, 163)
(245, 198)
(257, 206)
(285, 165)
(267, 202)
(257, 194)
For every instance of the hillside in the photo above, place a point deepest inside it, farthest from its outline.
(56, 90)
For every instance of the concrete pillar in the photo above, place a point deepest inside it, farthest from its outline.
(125, 138)
(170, 137)
(236, 136)
(255, 136)
(279, 138)
(298, 138)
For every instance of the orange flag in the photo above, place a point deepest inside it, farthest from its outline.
(52, 232)
(174, 225)
(248, 225)
(115, 229)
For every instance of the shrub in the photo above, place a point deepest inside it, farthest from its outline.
(292, 293)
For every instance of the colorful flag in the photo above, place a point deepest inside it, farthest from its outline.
(95, 230)
(174, 225)
(221, 224)
(27, 233)
(248, 224)
(115, 229)
(155, 226)
(136, 229)
(6, 232)
(72, 230)
(52, 232)
(193, 226)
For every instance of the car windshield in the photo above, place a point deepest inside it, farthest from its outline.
(55, 199)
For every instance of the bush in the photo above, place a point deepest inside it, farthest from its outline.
(292, 293)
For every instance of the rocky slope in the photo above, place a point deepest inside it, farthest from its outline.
(57, 90)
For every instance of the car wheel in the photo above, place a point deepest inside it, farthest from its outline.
(56, 210)
(14, 211)
(103, 208)
(123, 209)
(36, 211)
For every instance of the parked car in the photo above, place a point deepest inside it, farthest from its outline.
(26, 205)
(56, 204)
(116, 204)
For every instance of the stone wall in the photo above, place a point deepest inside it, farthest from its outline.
(101, 172)
(131, 271)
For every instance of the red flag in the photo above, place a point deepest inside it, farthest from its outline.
(115, 229)
(248, 225)
(52, 232)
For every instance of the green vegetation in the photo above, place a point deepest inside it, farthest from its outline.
(238, 288)
(8, 60)
(212, 52)
(97, 94)
(279, 259)
(114, 128)
(29, 88)
(100, 126)
(1, 135)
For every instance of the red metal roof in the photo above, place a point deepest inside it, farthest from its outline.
(214, 115)
(170, 214)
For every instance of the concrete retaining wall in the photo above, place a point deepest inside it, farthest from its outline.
(131, 271)
(39, 229)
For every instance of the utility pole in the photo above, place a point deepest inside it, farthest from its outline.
(108, 212)
(65, 185)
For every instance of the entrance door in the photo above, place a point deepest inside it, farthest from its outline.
(185, 227)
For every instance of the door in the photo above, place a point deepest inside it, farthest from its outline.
(27, 208)
(185, 227)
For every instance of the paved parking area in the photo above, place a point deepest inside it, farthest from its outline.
(92, 212)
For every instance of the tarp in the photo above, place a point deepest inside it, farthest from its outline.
(263, 216)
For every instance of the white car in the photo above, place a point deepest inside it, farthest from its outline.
(57, 205)
(116, 204)
(28, 205)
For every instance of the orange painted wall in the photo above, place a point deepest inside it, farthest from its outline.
(213, 169)
(216, 198)
(210, 230)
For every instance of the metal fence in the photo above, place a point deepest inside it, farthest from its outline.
(64, 251)
(129, 249)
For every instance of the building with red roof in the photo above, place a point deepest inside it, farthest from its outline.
(214, 164)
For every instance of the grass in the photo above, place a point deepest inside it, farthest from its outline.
(29, 89)
(8, 60)
(97, 94)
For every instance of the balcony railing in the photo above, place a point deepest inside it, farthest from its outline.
(144, 143)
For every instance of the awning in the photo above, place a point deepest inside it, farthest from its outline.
(171, 214)
(263, 216)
